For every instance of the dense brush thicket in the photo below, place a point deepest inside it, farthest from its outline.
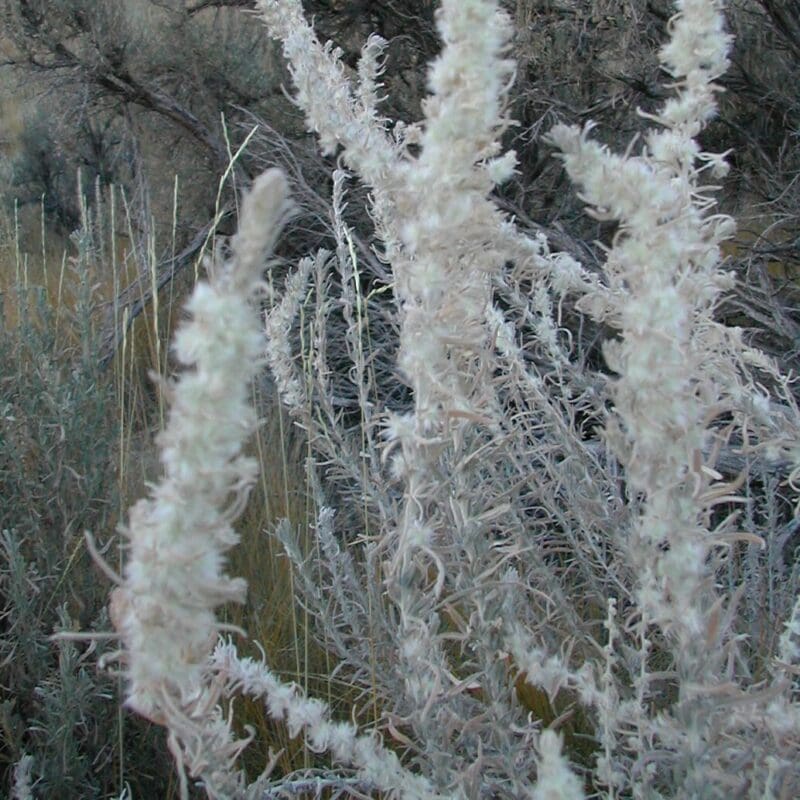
(542, 385)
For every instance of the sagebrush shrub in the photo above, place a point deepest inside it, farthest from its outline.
(60, 719)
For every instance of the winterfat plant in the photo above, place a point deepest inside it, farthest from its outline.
(537, 570)
(22, 789)
(174, 581)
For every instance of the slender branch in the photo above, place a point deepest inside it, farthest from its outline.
(135, 297)
(204, 4)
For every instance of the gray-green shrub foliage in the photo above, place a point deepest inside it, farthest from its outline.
(59, 714)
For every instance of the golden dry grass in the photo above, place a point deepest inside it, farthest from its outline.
(31, 256)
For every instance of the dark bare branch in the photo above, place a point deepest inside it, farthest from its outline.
(135, 297)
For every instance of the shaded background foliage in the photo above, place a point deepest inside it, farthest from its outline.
(131, 88)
